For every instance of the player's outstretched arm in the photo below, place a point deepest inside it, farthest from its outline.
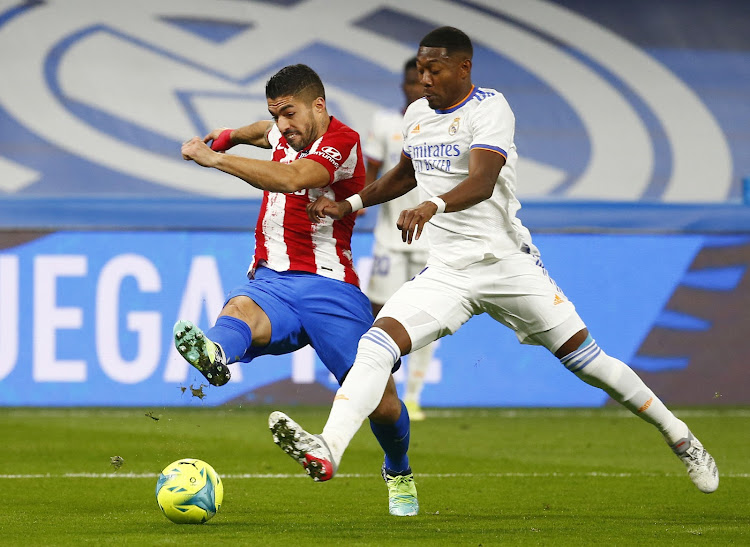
(255, 134)
(266, 175)
(484, 168)
(396, 182)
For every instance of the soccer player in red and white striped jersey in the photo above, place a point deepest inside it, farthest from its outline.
(285, 238)
(302, 288)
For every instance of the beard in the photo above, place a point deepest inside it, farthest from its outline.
(299, 139)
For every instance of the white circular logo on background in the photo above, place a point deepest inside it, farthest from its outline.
(126, 61)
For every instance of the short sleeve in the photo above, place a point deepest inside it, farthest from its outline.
(493, 125)
(335, 153)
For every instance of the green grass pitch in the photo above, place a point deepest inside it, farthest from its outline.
(485, 477)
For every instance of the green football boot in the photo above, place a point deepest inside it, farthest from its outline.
(402, 493)
(202, 353)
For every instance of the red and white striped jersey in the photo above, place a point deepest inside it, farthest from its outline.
(285, 238)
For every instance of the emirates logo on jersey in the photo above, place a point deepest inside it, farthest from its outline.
(332, 152)
(453, 129)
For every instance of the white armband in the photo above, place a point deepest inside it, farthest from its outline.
(439, 202)
(356, 202)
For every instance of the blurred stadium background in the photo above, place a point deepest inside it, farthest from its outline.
(633, 125)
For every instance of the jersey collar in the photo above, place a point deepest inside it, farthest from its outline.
(458, 104)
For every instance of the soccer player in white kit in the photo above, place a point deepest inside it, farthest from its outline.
(458, 149)
(395, 261)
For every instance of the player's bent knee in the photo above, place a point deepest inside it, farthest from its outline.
(388, 410)
(396, 331)
(572, 344)
(561, 339)
(245, 309)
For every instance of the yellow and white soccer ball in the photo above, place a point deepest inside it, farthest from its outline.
(189, 491)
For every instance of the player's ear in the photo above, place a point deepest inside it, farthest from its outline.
(464, 68)
(319, 104)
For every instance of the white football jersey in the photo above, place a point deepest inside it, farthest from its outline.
(384, 144)
(439, 143)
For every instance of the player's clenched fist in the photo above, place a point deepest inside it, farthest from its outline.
(325, 207)
(412, 221)
(220, 139)
(197, 150)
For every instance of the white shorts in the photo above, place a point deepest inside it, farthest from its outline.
(390, 270)
(515, 291)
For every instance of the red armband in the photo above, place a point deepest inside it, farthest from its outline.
(223, 141)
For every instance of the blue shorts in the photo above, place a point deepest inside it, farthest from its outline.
(306, 308)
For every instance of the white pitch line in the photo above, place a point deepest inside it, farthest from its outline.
(553, 474)
(576, 413)
(594, 412)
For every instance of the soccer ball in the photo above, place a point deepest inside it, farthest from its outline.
(189, 491)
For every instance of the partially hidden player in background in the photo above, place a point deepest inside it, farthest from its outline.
(395, 261)
(302, 288)
(459, 149)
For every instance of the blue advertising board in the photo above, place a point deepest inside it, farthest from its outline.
(86, 319)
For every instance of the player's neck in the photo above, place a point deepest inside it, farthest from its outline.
(323, 124)
(463, 93)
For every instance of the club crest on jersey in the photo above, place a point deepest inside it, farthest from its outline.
(453, 129)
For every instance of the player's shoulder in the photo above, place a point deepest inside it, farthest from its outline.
(482, 93)
(419, 106)
(417, 109)
(486, 97)
(340, 131)
(488, 104)
(336, 126)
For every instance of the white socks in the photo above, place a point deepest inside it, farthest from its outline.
(419, 362)
(598, 369)
(361, 391)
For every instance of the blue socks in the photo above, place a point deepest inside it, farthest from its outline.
(394, 439)
(233, 335)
